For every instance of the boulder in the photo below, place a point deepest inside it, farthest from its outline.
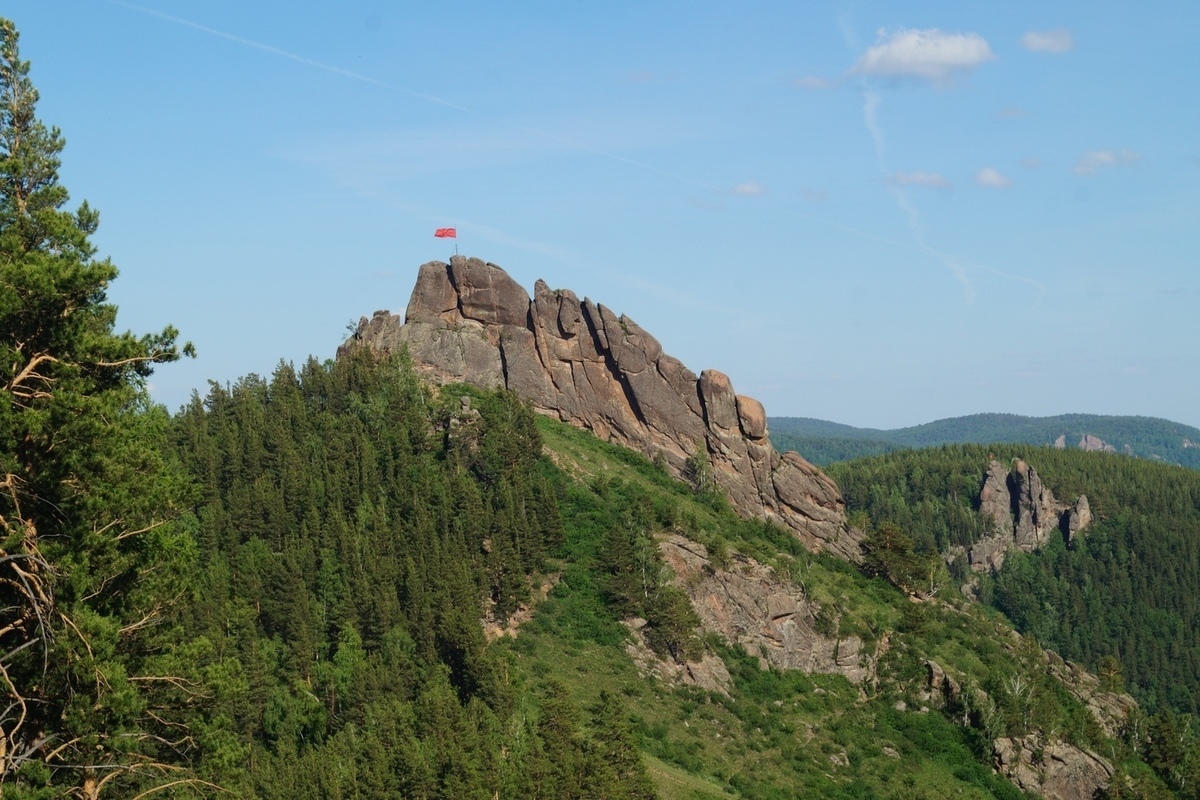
(434, 297)
(752, 417)
(1079, 519)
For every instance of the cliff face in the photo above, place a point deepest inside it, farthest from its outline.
(576, 360)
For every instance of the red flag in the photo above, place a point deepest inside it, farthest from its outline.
(446, 233)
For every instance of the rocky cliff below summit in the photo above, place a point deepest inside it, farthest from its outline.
(469, 321)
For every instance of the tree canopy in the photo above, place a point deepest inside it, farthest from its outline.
(89, 551)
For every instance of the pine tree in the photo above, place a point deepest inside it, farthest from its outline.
(89, 556)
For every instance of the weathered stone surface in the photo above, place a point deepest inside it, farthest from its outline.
(942, 688)
(748, 605)
(577, 360)
(752, 416)
(1111, 710)
(720, 404)
(440, 353)
(434, 297)
(486, 293)
(1055, 770)
(995, 501)
(1079, 519)
(523, 370)
(709, 673)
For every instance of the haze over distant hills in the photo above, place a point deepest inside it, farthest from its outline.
(824, 442)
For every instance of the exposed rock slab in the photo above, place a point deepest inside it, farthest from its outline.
(749, 605)
(1111, 710)
(708, 673)
(469, 321)
(1055, 770)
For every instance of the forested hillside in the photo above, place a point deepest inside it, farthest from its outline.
(824, 442)
(351, 531)
(355, 530)
(1127, 594)
(339, 582)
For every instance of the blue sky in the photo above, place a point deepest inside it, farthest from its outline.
(877, 213)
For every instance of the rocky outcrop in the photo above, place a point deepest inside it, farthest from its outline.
(468, 321)
(1095, 444)
(747, 604)
(1111, 710)
(708, 673)
(1023, 513)
(1055, 770)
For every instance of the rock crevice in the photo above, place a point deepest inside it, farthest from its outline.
(469, 321)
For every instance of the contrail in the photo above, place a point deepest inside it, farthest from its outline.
(266, 48)
(872, 101)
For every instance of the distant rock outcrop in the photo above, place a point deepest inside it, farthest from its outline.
(1092, 443)
(1023, 514)
(1095, 444)
(576, 360)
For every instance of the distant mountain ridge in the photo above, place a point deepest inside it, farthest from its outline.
(824, 442)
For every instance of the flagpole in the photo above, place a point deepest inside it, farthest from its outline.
(448, 233)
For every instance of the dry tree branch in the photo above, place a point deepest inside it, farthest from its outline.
(147, 619)
(192, 781)
(152, 358)
(140, 531)
(183, 684)
(28, 372)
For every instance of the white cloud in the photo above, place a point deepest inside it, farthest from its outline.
(749, 189)
(930, 54)
(933, 179)
(1091, 163)
(1058, 40)
(992, 179)
(812, 82)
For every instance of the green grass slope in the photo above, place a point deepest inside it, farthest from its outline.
(786, 734)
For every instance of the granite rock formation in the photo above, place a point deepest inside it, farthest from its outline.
(1023, 513)
(1094, 444)
(1056, 770)
(769, 616)
(468, 321)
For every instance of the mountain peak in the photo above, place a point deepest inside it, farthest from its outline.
(469, 321)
